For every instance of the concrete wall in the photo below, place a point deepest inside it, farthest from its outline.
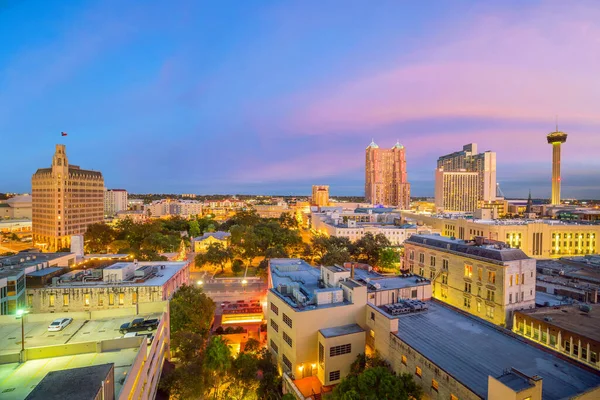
(341, 362)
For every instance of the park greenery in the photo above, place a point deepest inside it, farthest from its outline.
(372, 378)
(205, 367)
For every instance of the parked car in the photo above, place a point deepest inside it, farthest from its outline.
(139, 324)
(149, 336)
(59, 324)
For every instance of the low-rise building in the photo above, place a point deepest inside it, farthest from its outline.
(486, 279)
(121, 285)
(15, 226)
(576, 278)
(201, 243)
(571, 330)
(174, 207)
(17, 207)
(272, 210)
(539, 238)
(13, 271)
(453, 355)
(91, 339)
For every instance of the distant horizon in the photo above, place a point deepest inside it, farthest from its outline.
(292, 93)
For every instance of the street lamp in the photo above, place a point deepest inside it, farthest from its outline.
(21, 314)
(199, 283)
(244, 284)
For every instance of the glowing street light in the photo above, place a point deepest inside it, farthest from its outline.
(200, 282)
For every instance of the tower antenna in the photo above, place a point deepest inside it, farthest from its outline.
(556, 122)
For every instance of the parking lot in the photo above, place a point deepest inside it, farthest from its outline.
(37, 335)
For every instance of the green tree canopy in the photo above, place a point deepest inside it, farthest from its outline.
(98, 237)
(368, 247)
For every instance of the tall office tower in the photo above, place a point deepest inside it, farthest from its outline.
(320, 195)
(556, 138)
(386, 182)
(65, 200)
(456, 190)
(468, 160)
(115, 200)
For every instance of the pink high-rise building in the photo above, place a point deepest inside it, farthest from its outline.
(386, 182)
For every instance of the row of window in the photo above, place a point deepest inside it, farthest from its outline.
(419, 372)
(86, 299)
(340, 350)
(491, 275)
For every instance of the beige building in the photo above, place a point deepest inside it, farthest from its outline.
(65, 201)
(456, 190)
(115, 200)
(121, 285)
(386, 181)
(174, 207)
(537, 238)
(201, 243)
(18, 207)
(320, 195)
(272, 210)
(456, 356)
(469, 160)
(485, 279)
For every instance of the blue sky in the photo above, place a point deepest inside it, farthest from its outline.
(272, 97)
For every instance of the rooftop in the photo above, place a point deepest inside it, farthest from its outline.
(217, 235)
(495, 252)
(515, 381)
(397, 282)
(449, 333)
(341, 330)
(44, 271)
(25, 262)
(71, 384)
(570, 318)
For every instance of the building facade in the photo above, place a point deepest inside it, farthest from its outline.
(201, 243)
(115, 200)
(174, 207)
(468, 160)
(456, 190)
(386, 180)
(487, 280)
(17, 207)
(65, 201)
(320, 195)
(537, 238)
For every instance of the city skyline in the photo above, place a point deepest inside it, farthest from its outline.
(276, 98)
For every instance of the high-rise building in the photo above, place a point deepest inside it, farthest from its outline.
(386, 182)
(65, 200)
(320, 195)
(556, 138)
(456, 190)
(115, 200)
(468, 160)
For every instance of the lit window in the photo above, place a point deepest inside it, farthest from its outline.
(65, 300)
(418, 371)
(111, 299)
(404, 361)
(134, 298)
(434, 385)
(86, 299)
(468, 271)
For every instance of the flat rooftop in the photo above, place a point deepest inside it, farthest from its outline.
(397, 282)
(570, 318)
(515, 381)
(470, 351)
(44, 271)
(72, 384)
(341, 330)
(492, 252)
(16, 264)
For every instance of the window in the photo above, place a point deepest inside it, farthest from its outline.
(275, 309)
(432, 261)
(413, 294)
(274, 346)
(287, 363)
(51, 301)
(445, 264)
(411, 255)
(111, 299)
(321, 354)
(522, 279)
(491, 277)
(421, 257)
(434, 385)
(404, 361)
(491, 295)
(121, 299)
(489, 312)
(480, 273)
(100, 300)
(372, 316)
(334, 376)
(509, 298)
(467, 302)
(584, 352)
(340, 350)
(65, 300)
(134, 298)
(287, 339)
(287, 320)
(29, 300)
(453, 397)
(467, 287)
(593, 356)
(575, 349)
(478, 306)
(445, 279)
(510, 280)
(516, 279)
(567, 346)
(468, 271)
(274, 326)
(418, 371)
(86, 299)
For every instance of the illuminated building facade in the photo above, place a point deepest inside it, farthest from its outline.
(461, 163)
(386, 181)
(320, 195)
(537, 238)
(456, 190)
(65, 201)
(556, 139)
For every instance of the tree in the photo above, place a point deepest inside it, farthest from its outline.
(388, 259)
(237, 266)
(375, 383)
(368, 247)
(98, 237)
(244, 242)
(191, 310)
(119, 246)
(217, 360)
(194, 228)
(217, 254)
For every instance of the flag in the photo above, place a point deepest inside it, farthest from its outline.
(63, 134)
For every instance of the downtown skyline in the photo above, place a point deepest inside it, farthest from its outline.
(200, 98)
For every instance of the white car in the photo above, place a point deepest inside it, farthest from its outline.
(59, 324)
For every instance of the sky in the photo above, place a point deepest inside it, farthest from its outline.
(275, 96)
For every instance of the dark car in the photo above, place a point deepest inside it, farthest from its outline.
(139, 324)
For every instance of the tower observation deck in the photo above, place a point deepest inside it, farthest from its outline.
(556, 138)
